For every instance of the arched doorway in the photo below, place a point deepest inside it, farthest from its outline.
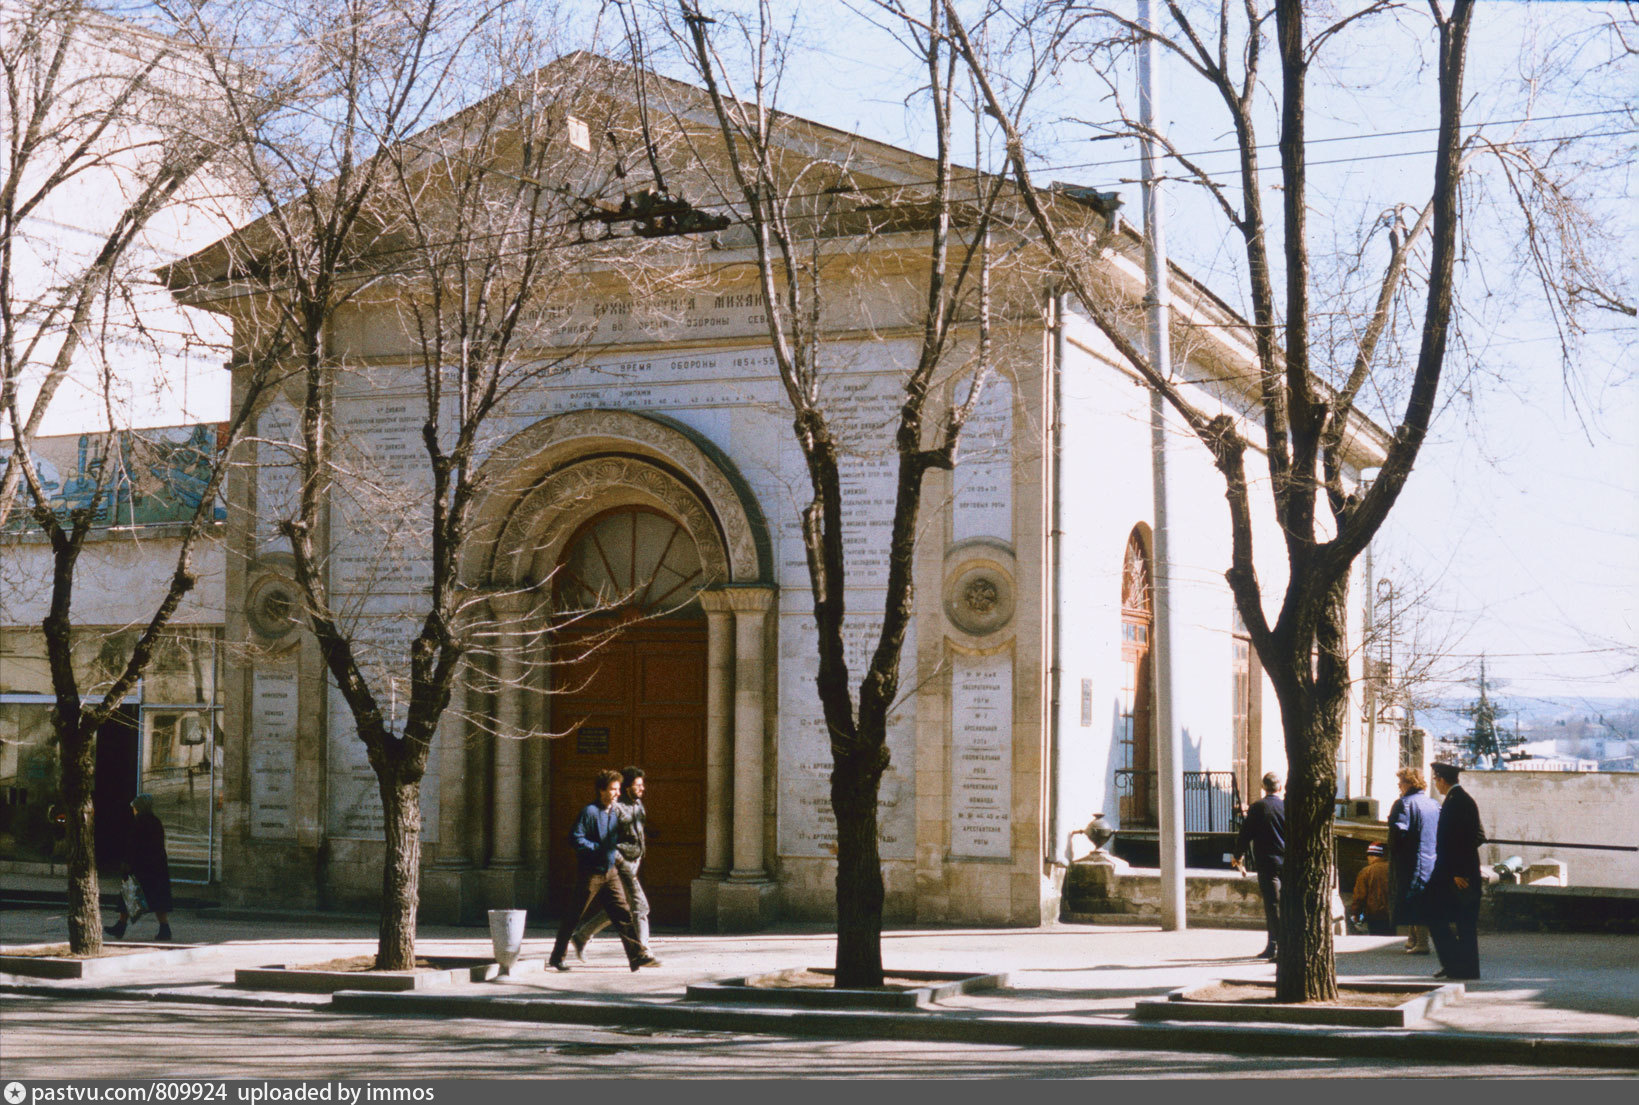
(630, 668)
(1137, 733)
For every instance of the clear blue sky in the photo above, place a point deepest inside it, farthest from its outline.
(1523, 514)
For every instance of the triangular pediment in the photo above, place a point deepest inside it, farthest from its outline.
(617, 167)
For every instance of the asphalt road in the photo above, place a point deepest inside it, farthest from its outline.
(58, 1039)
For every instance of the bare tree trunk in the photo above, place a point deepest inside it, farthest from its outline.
(76, 738)
(1312, 722)
(78, 750)
(400, 872)
(1306, 968)
(855, 780)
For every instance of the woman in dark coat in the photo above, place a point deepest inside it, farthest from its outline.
(145, 859)
(1413, 823)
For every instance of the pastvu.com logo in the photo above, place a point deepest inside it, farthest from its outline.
(15, 1093)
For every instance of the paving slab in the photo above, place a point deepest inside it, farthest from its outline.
(1541, 993)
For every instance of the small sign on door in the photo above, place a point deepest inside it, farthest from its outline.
(592, 741)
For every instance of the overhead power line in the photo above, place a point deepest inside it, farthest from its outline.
(1106, 163)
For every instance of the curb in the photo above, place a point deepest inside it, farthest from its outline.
(177, 997)
(951, 1026)
(964, 1027)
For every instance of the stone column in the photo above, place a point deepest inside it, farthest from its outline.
(747, 900)
(446, 893)
(719, 758)
(511, 611)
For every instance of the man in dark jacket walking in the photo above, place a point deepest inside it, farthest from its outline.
(1454, 885)
(1413, 822)
(595, 839)
(1264, 828)
(631, 839)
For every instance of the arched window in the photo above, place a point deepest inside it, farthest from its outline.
(1137, 735)
(631, 558)
(1247, 714)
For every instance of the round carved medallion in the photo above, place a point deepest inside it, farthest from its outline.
(979, 598)
(273, 608)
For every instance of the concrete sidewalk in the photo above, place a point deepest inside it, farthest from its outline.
(1550, 998)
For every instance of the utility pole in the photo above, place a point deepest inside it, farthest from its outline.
(1368, 673)
(1170, 760)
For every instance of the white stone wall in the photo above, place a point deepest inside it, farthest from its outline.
(1105, 472)
(121, 577)
(730, 394)
(1562, 807)
(1108, 489)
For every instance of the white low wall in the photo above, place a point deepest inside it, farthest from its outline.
(1562, 808)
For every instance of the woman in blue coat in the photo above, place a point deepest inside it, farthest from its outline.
(1413, 824)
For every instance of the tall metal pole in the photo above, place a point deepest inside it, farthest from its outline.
(1369, 673)
(1170, 761)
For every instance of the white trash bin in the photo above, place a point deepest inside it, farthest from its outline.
(506, 929)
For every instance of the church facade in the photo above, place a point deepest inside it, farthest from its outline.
(641, 590)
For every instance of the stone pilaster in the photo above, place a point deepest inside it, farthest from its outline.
(446, 886)
(703, 892)
(502, 880)
(749, 898)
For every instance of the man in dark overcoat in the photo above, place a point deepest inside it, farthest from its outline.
(1413, 821)
(1455, 884)
(1264, 829)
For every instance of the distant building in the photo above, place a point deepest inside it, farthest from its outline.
(165, 739)
(1552, 763)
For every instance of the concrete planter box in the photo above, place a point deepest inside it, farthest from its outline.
(765, 990)
(1181, 1005)
(37, 965)
(446, 971)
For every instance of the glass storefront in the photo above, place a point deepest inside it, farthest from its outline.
(166, 740)
(29, 788)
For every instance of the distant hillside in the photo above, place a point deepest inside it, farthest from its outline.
(1533, 713)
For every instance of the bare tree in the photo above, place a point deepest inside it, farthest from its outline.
(464, 223)
(803, 216)
(91, 106)
(1408, 646)
(348, 78)
(1308, 391)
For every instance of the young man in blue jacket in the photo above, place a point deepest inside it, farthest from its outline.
(597, 886)
(632, 838)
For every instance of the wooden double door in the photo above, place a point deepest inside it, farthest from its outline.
(638, 698)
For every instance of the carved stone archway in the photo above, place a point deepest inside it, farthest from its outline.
(532, 540)
(540, 487)
(511, 510)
